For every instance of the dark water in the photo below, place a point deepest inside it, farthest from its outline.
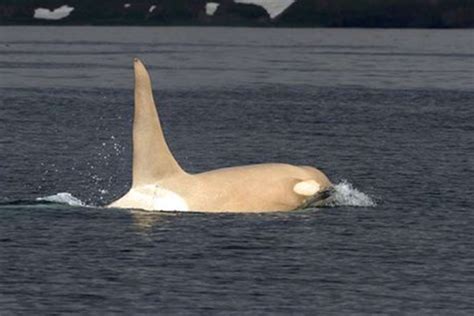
(388, 111)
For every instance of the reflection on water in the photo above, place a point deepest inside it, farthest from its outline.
(145, 220)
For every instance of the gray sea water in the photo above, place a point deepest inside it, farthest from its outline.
(387, 114)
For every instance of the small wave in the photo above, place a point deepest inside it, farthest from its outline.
(346, 195)
(62, 198)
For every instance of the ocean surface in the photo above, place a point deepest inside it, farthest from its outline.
(388, 115)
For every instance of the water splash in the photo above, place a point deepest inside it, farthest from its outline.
(62, 198)
(97, 171)
(346, 195)
(105, 157)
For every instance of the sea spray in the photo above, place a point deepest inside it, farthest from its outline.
(346, 195)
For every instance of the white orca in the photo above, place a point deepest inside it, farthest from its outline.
(159, 183)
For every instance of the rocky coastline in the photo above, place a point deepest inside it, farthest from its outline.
(263, 13)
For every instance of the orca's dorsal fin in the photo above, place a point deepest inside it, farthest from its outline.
(152, 159)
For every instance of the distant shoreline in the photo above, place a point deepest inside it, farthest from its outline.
(238, 26)
(418, 14)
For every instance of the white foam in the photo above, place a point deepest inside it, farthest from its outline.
(56, 14)
(62, 198)
(211, 8)
(273, 7)
(346, 195)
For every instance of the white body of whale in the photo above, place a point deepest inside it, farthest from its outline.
(159, 183)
